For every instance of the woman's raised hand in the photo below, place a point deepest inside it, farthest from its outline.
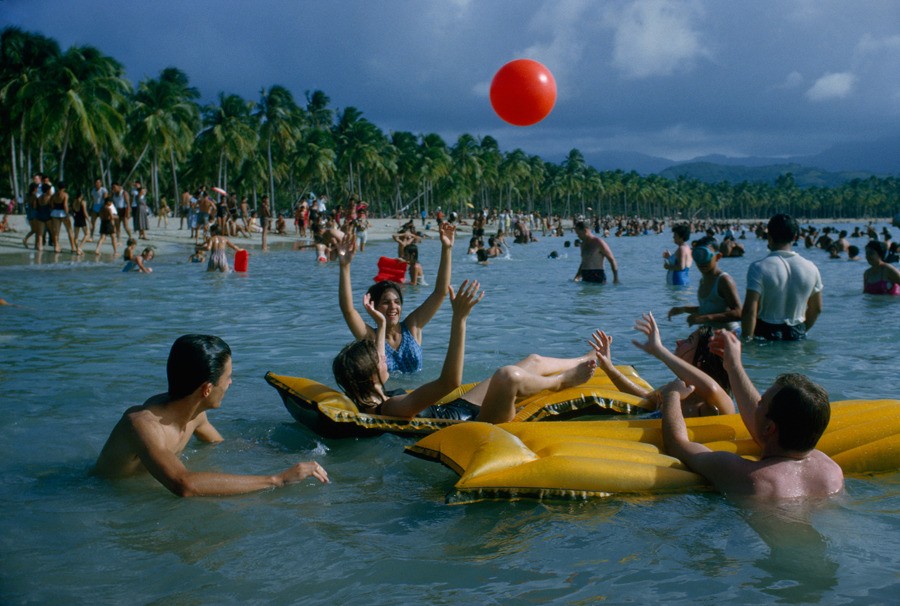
(601, 344)
(346, 248)
(467, 298)
(448, 234)
(647, 325)
(369, 304)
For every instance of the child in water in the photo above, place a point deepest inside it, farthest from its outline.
(218, 260)
(139, 262)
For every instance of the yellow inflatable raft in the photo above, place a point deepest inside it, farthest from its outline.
(598, 458)
(330, 413)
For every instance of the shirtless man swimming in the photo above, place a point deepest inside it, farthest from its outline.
(593, 252)
(150, 437)
(786, 422)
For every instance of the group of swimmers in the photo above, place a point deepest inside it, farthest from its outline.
(786, 421)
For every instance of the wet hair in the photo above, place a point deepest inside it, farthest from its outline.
(800, 410)
(853, 250)
(194, 360)
(355, 369)
(707, 241)
(707, 361)
(783, 229)
(377, 290)
(481, 255)
(580, 225)
(411, 253)
(682, 230)
(878, 247)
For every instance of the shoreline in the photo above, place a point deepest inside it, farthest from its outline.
(170, 239)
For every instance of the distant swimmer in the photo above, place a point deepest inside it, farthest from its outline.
(593, 253)
(678, 265)
(786, 422)
(149, 437)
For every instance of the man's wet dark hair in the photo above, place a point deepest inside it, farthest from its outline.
(800, 410)
(194, 360)
(783, 229)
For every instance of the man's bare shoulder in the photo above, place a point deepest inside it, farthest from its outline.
(815, 475)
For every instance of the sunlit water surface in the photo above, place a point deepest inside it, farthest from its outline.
(87, 340)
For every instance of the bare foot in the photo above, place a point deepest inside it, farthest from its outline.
(578, 374)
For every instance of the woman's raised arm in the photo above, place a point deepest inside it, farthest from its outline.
(346, 247)
(430, 306)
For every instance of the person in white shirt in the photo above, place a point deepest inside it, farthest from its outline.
(784, 290)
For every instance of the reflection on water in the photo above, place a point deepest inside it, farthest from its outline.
(87, 340)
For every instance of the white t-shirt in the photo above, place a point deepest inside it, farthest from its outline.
(784, 281)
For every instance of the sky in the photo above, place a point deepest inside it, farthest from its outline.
(678, 79)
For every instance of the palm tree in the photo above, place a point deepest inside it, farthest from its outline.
(279, 126)
(229, 134)
(22, 56)
(316, 159)
(359, 144)
(435, 165)
(80, 96)
(467, 168)
(164, 117)
(317, 110)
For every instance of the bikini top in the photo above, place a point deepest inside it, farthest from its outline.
(882, 287)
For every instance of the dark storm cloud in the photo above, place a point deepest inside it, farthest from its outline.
(676, 79)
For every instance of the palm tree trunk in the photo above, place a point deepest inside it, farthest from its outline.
(176, 199)
(14, 175)
(271, 177)
(154, 182)
(62, 155)
(138, 163)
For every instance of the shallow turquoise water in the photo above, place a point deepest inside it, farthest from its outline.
(87, 340)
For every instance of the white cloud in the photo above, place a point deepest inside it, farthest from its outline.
(832, 86)
(655, 37)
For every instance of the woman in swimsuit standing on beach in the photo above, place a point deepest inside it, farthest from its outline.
(403, 339)
(881, 278)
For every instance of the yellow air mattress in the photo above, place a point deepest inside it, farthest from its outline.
(598, 458)
(330, 413)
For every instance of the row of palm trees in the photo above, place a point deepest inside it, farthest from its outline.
(73, 115)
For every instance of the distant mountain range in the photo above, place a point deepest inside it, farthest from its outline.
(834, 166)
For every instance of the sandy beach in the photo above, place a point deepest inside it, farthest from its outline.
(170, 239)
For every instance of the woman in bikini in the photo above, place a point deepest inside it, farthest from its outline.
(881, 278)
(361, 371)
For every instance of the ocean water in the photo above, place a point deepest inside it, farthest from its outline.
(85, 341)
